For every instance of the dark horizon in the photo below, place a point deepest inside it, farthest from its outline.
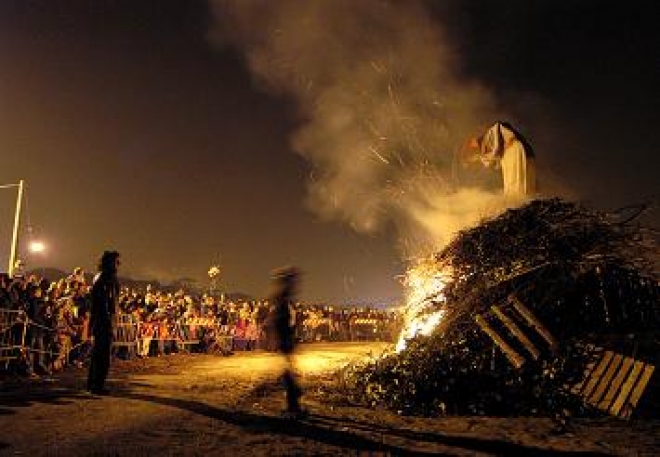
(145, 127)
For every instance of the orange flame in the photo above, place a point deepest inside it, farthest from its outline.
(425, 283)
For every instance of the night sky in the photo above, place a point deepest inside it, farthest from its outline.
(188, 133)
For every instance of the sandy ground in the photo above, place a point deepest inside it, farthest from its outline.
(212, 405)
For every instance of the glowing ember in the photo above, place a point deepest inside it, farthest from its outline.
(425, 283)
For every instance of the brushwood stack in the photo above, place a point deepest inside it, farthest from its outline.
(553, 309)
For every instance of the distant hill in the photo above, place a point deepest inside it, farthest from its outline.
(51, 274)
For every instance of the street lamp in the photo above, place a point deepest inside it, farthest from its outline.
(17, 220)
(37, 247)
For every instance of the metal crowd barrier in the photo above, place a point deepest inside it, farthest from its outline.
(126, 333)
(191, 332)
(368, 329)
(317, 329)
(13, 329)
(160, 332)
(205, 333)
(135, 337)
(186, 335)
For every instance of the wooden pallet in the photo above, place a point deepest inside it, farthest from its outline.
(517, 332)
(614, 383)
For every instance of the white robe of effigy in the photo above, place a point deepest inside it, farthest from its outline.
(501, 145)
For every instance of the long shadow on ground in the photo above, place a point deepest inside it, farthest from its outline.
(65, 389)
(313, 428)
(24, 398)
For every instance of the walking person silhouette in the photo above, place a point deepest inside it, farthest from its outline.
(282, 326)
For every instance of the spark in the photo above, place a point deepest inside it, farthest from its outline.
(375, 151)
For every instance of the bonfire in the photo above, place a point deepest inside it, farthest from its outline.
(505, 319)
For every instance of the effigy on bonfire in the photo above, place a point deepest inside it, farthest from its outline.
(547, 309)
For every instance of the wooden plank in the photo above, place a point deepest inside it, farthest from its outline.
(534, 322)
(577, 388)
(589, 367)
(627, 387)
(638, 391)
(516, 331)
(597, 373)
(605, 379)
(516, 359)
(622, 373)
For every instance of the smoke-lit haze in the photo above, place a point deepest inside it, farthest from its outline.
(382, 110)
(185, 133)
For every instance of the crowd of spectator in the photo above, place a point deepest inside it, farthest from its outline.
(56, 318)
(53, 320)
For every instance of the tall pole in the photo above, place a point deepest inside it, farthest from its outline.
(17, 223)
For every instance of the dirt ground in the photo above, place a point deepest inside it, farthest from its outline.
(212, 405)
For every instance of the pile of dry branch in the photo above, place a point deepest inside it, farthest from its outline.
(578, 279)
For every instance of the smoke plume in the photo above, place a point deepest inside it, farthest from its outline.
(382, 111)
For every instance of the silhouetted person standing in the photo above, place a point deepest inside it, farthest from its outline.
(105, 292)
(282, 325)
